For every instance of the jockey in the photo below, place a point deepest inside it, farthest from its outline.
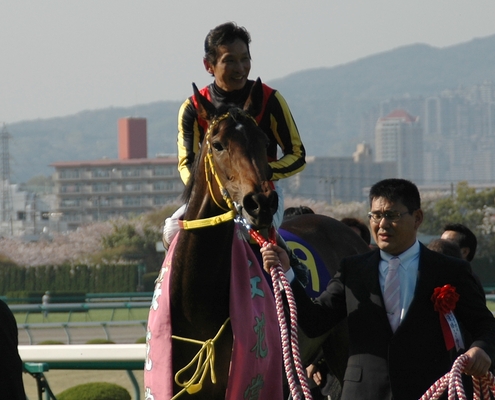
(228, 60)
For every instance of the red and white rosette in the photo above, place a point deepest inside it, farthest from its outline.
(444, 301)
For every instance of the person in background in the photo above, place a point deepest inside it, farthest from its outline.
(397, 348)
(467, 242)
(359, 227)
(291, 211)
(447, 247)
(11, 384)
(45, 300)
(464, 237)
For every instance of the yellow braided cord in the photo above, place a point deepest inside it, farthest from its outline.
(204, 360)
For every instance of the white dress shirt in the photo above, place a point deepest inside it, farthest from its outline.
(408, 274)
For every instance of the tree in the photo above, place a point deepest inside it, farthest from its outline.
(467, 206)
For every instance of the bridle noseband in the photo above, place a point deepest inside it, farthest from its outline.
(210, 171)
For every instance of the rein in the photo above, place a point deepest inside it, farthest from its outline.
(280, 284)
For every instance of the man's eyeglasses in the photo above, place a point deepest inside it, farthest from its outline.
(390, 216)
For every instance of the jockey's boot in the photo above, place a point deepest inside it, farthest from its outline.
(300, 269)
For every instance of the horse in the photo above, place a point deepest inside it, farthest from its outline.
(230, 176)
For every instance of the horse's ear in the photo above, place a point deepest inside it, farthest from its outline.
(254, 102)
(206, 109)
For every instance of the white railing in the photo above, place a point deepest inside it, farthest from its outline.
(126, 357)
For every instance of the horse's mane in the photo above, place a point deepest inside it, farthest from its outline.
(186, 194)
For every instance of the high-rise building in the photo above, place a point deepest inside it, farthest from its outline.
(399, 138)
(338, 179)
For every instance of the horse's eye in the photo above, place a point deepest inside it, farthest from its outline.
(217, 146)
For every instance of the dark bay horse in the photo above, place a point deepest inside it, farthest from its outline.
(229, 176)
(230, 169)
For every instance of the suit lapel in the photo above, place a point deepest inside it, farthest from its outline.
(371, 271)
(427, 276)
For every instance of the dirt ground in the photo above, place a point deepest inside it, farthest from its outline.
(59, 380)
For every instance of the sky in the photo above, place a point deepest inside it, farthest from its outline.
(61, 57)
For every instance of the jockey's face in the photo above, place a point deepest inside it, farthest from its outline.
(232, 66)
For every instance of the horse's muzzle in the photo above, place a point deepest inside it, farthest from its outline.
(260, 208)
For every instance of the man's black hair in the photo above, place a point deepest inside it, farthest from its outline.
(397, 190)
(467, 238)
(222, 35)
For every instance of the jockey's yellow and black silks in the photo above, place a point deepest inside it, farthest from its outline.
(275, 120)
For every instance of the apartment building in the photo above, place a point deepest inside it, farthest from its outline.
(97, 190)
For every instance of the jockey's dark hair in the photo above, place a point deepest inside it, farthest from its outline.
(397, 190)
(222, 35)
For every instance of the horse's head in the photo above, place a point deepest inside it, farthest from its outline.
(233, 161)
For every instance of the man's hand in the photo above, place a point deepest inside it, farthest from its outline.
(312, 372)
(479, 362)
(273, 255)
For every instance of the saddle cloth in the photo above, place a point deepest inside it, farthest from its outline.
(256, 363)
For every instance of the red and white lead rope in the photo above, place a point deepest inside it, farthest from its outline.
(290, 351)
(453, 382)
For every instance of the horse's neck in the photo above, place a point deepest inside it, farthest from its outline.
(201, 271)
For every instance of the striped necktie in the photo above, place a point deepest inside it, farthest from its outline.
(391, 293)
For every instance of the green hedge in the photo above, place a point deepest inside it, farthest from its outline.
(68, 279)
(95, 391)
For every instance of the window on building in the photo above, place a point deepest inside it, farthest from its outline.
(69, 189)
(100, 173)
(131, 187)
(70, 203)
(163, 170)
(71, 217)
(100, 187)
(163, 185)
(163, 199)
(21, 215)
(69, 173)
(126, 172)
(131, 201)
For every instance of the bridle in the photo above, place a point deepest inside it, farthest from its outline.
(233, 208)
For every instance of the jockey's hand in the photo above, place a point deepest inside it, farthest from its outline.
(479, 362)
(273, 255)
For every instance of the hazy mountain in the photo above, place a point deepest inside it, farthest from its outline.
(329, 106)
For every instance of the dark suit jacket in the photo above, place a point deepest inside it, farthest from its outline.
(383, 365)
(11, 384)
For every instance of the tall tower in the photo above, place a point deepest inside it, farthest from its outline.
(6, 191)
(132, 138)
(399, 138)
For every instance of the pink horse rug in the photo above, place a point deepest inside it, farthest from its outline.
(256, 364)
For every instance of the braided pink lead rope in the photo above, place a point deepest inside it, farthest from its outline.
(453, 381)
(278, 276)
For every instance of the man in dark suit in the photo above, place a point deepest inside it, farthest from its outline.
(11, 384)
(397, 347)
